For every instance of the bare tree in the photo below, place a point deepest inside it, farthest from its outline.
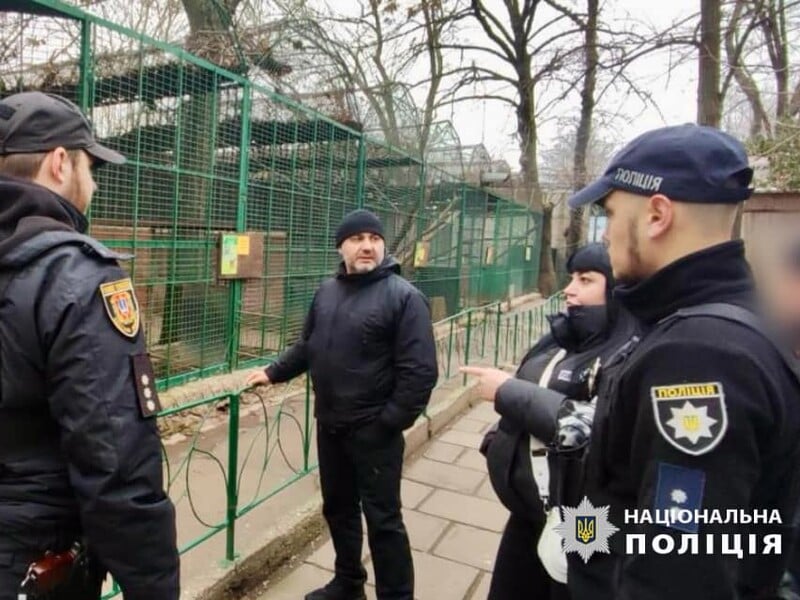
(365, 58)
(588, 24)
(519, 52)
(709, 98)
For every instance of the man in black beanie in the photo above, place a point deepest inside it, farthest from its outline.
(368, 346)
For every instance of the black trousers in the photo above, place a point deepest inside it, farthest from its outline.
(360, 469)
(16, 556)
(518, 573)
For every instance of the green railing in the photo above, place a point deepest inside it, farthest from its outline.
(213, 153)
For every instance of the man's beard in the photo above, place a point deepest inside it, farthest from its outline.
(359, 267)
(76, 196)
(633, 275)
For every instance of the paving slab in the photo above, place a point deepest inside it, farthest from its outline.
(462, 438)
(423, 530)
(468, 510)
(469, 425)
(482, 591)
(441, 475)
(486, 491)
(441, 579)
(472, 459)
(412, 493)
(443, 452)
(469, 546)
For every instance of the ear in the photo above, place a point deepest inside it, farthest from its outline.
(339, 250)
(660, 212)
(57, 165)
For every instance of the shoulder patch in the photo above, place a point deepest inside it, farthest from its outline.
(145, 379)
(679, 489)
(691, 416)
(121, 306)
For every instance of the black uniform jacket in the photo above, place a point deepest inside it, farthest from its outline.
(701, 415)
(89, 463)
(528, 409)
(368, 345)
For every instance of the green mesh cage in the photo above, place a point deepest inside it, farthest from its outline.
(212, 153)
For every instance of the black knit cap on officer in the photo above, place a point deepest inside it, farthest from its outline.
(38, 122)
(686, 163)
(358, 221)
(591, 257)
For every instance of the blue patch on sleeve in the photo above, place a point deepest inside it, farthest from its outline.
(679, 489)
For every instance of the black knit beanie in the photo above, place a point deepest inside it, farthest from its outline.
(358, 221)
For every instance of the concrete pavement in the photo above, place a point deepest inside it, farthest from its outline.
(453, 517)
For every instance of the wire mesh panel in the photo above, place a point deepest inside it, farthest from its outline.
(438, 262)
(176, 121)
(303, 176)
(392, 190)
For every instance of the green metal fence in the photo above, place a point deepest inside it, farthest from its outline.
(258, 459)
(212, 153)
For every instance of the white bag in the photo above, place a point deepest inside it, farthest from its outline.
(550, 548)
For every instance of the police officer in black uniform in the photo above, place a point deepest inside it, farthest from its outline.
(368, 346)
(562, 364)
(80, 455)
(702, 414)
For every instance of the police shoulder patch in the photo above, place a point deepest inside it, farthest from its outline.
(679, 490)
(691, 416)
(121, 306)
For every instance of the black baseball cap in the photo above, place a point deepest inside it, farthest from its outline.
(686, 163)
(39, 122)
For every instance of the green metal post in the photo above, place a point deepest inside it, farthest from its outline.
(530, 329)
(460, 255)
(516, 331)
(361, 172)
(497, 336)
(467, 344)
(307, 425)
(86, 65)
(235, 310)
(450, 348)
(483, 335)
(496, 248)
(233, 478)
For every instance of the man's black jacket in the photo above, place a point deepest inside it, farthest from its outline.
(95, 468)
(368, 345)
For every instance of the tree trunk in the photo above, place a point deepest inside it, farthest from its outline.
(526, 129)
(584, 131)
(209, 24)
(709, 102)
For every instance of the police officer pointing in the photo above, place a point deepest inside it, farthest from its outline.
(703, 413)
(80, 456)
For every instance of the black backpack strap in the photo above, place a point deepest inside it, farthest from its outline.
(737, 314)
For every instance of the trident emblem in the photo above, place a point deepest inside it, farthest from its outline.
(585, 530)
